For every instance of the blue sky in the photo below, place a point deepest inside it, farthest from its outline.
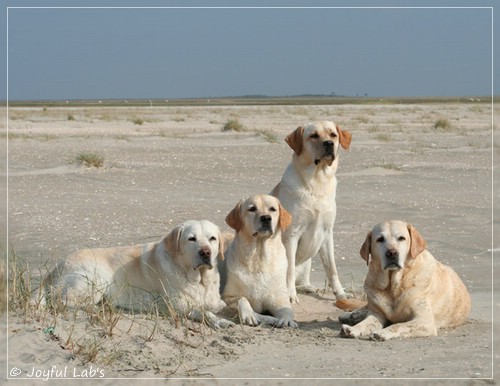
(120, 53)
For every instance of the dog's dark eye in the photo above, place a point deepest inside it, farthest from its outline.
(213, 238)
(380, 239)
(333, 135)
(401, 238)
(272, 209)
(252, 209)
(192, 238)
(314, 135)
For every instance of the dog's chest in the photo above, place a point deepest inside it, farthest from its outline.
(315, 192)
(263, 264)
(318, 213)
(258, 271)
(391, 298)
(312, 223)
(205, 292)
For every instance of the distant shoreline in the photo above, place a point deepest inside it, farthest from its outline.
(248, 101)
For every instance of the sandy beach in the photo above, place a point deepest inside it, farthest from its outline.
(165, 164)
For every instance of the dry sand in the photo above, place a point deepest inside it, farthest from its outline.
(164, 165)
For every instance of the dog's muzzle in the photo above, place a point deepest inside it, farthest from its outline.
(205, 255)
(328, 153)
(392, 260)
(266, 225)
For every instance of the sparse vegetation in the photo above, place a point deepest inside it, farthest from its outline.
(268, 135)
(388, 166)
(442, 124)
(299, 110)
(88, 331)
(363, 120)
(383, 137)
(476, 109)
(41, 137)
(71, 117)
(20, 277)
(373, 129)
(233, 124)
(90, 160)
(138, 121)
(3, 289)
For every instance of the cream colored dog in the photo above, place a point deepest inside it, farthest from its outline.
(256, 263)
(307, 190)
(410, 293)
(179, 273)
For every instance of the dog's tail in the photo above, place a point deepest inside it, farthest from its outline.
(350, 304)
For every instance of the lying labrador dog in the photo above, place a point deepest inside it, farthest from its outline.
(410, 293)
(307, 190)
(256, 263)
(178, 273)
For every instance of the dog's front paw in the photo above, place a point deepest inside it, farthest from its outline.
(246, 313)
(223, 324)
(307, 289)
(354, 317)
(286, 322)
(250, 319)
(284, 318)
(381, 335)
(348, 332)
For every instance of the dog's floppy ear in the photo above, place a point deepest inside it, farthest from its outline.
(221, 246)
(172, 241)
(285, 219)
(296, 139)
(344, 138)
(233, 219)
(366, 248)
(418, 244)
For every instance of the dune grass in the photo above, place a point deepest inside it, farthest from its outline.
(90, 159)
(90, 332)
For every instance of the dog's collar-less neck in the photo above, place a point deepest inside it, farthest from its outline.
(256, 247)
(312, 175)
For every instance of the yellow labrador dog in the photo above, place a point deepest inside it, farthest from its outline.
(179, 272)
(307, 190)
(256, 263)
(410, 293)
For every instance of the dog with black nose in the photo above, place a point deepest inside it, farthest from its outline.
(254, 279)
(307, 190)
(179, 272)
(328, 147)
(410, 293)
(392, 259)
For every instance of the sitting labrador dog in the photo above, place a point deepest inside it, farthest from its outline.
(307, 191)
(256, 263)
(410, 293)
(178, 273)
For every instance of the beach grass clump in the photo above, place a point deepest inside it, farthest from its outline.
(90, 159)
(389, 166)
(442, 124)
(268, 135)
(89, 332)
(233, 124)
(20, 283)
